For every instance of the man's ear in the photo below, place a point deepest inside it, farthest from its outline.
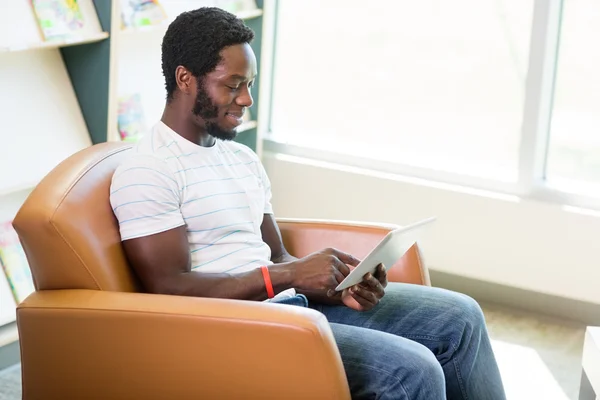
(186, 82)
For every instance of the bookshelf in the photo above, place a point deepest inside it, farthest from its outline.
(42, 120)
(9, 204)
(60, 96)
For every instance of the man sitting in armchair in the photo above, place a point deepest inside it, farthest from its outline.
(195, 216)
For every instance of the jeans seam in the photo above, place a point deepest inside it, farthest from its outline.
(409, 336)
(460, 380)
(454, 361)
(370, 367)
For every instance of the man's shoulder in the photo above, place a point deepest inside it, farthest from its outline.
(151, 151)
(141, 160)
(142, 171)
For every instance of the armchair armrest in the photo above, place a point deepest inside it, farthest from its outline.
(304, 236)
(94, 344)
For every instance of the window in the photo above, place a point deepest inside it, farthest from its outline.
(574, 151)
(491, 93)
(428, 83)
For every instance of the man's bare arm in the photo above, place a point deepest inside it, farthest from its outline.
(162, 262)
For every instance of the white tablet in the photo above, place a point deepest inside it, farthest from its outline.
(391, 248)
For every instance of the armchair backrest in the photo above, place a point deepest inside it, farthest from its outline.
(68, 230)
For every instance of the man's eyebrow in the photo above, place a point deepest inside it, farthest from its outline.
(239, 77)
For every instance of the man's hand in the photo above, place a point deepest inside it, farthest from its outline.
(367, 294)
(321, 270)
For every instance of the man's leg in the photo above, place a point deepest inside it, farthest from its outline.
(451, 325)
(383, 366)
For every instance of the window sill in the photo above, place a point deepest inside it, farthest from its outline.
(506, 191)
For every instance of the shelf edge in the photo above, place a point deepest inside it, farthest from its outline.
(55, 45)
(244, 15)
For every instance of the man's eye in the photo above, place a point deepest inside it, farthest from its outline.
(232, 88)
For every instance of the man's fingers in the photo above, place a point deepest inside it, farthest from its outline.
(343, 268)
(381, 275)
(367, 305)
(364, 294)
(345, 257)
(373, 284)
(338, 276)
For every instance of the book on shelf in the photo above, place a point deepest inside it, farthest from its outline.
(145, 13)
(7, 301)
(130, 118)
(14, 263)
(59, 19)
(139, 13)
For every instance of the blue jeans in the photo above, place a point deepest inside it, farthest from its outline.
(418, 343)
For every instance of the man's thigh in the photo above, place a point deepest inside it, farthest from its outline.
(411, 311)
(382, 365)
(451, 325)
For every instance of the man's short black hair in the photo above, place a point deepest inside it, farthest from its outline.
(195, 39)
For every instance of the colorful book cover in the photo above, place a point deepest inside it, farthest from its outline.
(58, 19)
(14, 263)
(138, 13)
(7, 301)
(131, 120)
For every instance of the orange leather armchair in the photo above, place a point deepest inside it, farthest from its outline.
(89, 330)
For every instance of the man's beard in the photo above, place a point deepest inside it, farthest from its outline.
(207, 110)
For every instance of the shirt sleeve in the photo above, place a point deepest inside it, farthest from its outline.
(267, 188)
(145, 197)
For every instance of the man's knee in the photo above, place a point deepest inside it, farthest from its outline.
(384, 366)
(421, 374)
(468, 311)
(412, 373)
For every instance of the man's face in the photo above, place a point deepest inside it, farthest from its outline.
(223, 95)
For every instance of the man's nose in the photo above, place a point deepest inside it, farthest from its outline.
(245, 98)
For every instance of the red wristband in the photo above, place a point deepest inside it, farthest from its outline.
(268, 284)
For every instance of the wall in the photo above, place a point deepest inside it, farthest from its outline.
(541, 247)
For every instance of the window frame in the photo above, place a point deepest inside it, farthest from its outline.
(535, 126)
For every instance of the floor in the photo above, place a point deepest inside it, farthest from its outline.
(10, 383)
(539, 357)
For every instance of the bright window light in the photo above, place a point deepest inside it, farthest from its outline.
(574, 151)
(427, 83)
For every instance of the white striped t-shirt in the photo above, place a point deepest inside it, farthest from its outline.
(220, 193)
